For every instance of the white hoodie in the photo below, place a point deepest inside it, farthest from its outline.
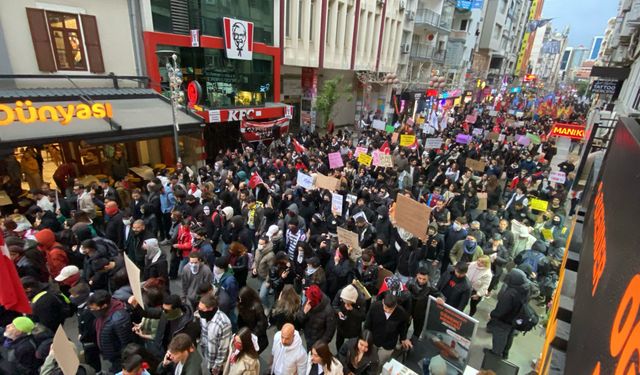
(288, 360)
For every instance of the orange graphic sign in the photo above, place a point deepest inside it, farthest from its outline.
(599, 239)
(26, 113)
(573, 131)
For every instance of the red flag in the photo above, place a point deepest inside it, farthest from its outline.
(300, 149)
(385, 148)
(255, 180)
(12, 295)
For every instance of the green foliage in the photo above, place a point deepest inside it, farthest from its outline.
(331, 92)
(581, 87)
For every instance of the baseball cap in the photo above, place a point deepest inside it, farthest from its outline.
(67, 272)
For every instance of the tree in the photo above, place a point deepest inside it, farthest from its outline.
(332, 91)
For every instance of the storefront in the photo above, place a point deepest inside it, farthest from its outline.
(89, 125)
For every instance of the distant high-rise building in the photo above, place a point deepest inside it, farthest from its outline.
(595, 47)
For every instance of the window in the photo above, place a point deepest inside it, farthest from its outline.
(65, 41)
(287, 21)
(463, 25)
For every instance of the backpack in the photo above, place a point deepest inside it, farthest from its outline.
(215, 215)
(110, 249)
(75, 258)
(68, 309)
(526, 319)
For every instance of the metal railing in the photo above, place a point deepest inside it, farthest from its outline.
(427, 52)
(427, 16)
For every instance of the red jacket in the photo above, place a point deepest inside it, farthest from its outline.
(184, 240)
(56, 256)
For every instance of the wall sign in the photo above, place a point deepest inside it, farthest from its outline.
(226, 115)
(195, 38)
(26, 113)
(604, 87)
(194, 93)
(573, 131)
(238, 39)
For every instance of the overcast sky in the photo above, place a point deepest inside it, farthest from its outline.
(587, 18)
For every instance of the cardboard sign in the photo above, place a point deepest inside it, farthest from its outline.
(365, 159)
(360, 150)
(378, 124)
(476, 165)
(389, 128)
(477, 131)
(304, 180)
(336, 204)
(145, 172)
(348, 238)
(494, 136)
(326, 182)
(412, 216)
(335, 160)
(407, 140)
(5, 200)
(386, 161)
(394, 138)
(482, 201)
(133, 273)
(431, 143)
(463, 139)
(558, 177)
(64, 352)
(538, 204)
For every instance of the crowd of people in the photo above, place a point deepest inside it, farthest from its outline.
(236, 256)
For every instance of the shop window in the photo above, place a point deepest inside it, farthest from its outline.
(260, 12)
(58, 41)
(463, 25)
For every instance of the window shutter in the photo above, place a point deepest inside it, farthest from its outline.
(41, 39)
(92, 42)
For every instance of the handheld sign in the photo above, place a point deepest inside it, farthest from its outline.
(305, 180)
(335, 160)
(407, 140)
(365, 159)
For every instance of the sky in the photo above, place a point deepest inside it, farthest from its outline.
(587, 18)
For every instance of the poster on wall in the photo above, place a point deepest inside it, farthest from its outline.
(238, 39)
(449, 333)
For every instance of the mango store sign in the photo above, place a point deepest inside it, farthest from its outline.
(26, 113)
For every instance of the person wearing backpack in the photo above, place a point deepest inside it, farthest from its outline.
(49, 308)
(511, 301)
(21, 348)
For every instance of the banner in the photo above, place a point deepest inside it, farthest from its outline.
(573, 131)
(255, 131)
(335, 160)
(449, 332)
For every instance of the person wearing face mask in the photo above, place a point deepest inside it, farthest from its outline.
(479, 276)
(112, 326)
(466, 250)
(21, 348)
(194, 274)
(79, 295)
(215, 336)
(455, 233)
(223, 278)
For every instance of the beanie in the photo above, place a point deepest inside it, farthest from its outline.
(349, 294)
(111, 208)
(23, 324)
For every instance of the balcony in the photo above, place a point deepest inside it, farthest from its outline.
(458, 35)
(429, 19)
(425, 52)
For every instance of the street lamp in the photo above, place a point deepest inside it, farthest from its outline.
(175, 84)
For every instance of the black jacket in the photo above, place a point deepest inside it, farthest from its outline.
(193, 366)
(114, 230)
(48, 310)
(420, 296)
(352, 324)
(386, 332)
(159, 268)
(319, 324)
(21, 357)
(512, 297)
(338, 276)
(455, 291)
(368, 365)
(115, 333)
(253, 317)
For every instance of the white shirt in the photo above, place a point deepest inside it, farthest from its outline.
(178, 370)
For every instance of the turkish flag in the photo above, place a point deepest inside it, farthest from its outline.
(12, 295)
(385, 148)
(300, 149)
(255, 180)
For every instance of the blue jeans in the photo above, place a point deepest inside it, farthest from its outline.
(183, 262)
(264, 295)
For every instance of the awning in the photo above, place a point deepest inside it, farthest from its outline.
(118, 119)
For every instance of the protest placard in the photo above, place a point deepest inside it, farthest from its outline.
(5, 200)
(538, 204)
(365, 159)
(389, 128)
(471, 119)
(524, 140)
(327, 182)
(493, 113)
(476, 165)
(336, 204)
(519, 114)
(535, 139)
(378, 124)
(412, 216)
(482, 201)
(394, 138)
(477, 131)
(407, 140)
(64, 352)
(335, 160)
(133, 273)
(351, 199)
(145, 172)
(558, 177)
(386, 161)
(463, 139)
(494, 136)
(360, 150)
(348, 238)
(304, 180)
(431, 143)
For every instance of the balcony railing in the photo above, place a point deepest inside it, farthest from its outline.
(427, 52)
(428, 17)
(458, 35)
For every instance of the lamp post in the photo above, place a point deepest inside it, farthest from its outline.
(175, 84)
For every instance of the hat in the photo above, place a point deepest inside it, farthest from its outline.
(497, 237)
(349, 294)
(228, 212)
(272, 231)
(23, 324)
(67, 272)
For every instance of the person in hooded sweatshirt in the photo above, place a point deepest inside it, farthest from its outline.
(455, 233)
(155, 262)
(466, 250)
(288, 355)
(510, 300)
(383, 226)
(112, 325)
(56, 256)
(293, 212)
(317, 318)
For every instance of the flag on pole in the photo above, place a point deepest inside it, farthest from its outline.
(300, 149)
(385, 148)
(535, 24)
(255, 180)
(12, 295)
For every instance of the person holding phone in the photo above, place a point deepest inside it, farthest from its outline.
(181, 358)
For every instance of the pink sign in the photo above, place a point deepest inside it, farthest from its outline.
(335, 160)
(376, 157)
(524, 140)
(360, 150)
(471, 119)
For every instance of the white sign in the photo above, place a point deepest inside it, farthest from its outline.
(477, 131)
(288, 112)
(431, 143)
(238, 39)
(336, 204)
(195, 38)
(379, 124)
(558, 177)
(519, 114)
(305, 181)
(493, 113)
(214, 116)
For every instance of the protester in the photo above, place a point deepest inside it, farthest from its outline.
(359, 356)
(181, 358)
(216, 334)
(287, 354)
(243, 355)
(322, 361)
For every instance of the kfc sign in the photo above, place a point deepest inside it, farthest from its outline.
(264, 113)
(573, 131)
(238, 39)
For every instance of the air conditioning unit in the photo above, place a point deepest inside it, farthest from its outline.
(411, 15)
(405, 48)
(403, 4)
